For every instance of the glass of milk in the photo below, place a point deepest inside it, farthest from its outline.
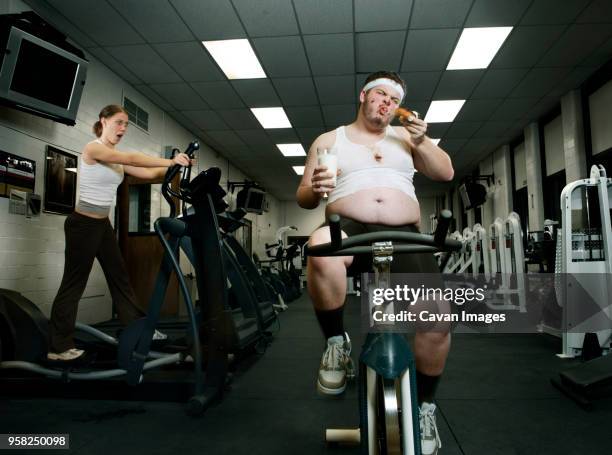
(328, 157)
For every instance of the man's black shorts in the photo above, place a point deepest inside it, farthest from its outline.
(402, 263)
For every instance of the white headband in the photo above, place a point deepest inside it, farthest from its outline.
(388, 83)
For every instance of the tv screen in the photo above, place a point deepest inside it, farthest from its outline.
(41, 78)
(472, 194)
(251, 199)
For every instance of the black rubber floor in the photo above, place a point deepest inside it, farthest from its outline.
(495, 398)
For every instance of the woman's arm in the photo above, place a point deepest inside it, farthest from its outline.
(99, 152)
(152, 174)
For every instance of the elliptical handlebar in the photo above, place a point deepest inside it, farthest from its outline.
(412, 242)
(167, 191)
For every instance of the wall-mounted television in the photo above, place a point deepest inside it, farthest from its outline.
(37, 75)
(472, 194)
(251, 199)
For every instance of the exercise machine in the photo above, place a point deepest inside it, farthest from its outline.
(388, 408)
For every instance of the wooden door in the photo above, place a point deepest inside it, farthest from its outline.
(141, 248)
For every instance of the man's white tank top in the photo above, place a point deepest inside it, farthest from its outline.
(361, 171)
(98, 182)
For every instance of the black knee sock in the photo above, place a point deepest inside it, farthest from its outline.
(331, 321)
(426, 387)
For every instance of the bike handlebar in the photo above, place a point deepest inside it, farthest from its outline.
(362, 243)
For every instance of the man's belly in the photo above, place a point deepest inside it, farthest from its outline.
(377, 206)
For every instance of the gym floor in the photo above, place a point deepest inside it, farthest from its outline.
(495, 398)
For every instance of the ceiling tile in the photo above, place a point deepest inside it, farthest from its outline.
(526, 45)
(336, 89)
(157, 23)
(112, 63)
(305, 116)
(324, 16)
(572, 81)
(256, 92)
(186, 122)
(538, 82)
(492, 129)
(330, 54)
(282, 135)
(255, 137)
(60, 22)
(95, 17)
(267, 17)
(335, 116)
(457, 85)
(497, 83)
(145, 63)
(154, 97)
(600, 56)
(496, 13)
(462, 130)
(239, 119)
(597, 11)
(576, 44)
(219, 95)
(439, 13)
(370, 17)
(308, 135)
(370, 57)
(210, 20)
(477, 110)
(228, 139)
(282, 56)
(429, 50)
(421, 85)
(542, 107)
(180, 95)
(206, 119)
(437, 130)
(550, 12)
(513, 109)
(451, 145)
(296, 91)
(190, 60)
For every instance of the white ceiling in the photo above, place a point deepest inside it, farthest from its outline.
(316, 54)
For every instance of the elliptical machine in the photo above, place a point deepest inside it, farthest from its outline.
(23, 327)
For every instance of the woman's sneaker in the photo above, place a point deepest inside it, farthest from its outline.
(430, 438)
(159, 336)
(66, 356)
(336, 366)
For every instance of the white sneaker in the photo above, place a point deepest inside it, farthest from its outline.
(159, 336)
(430, 438)
(336, 366)
(66, 356)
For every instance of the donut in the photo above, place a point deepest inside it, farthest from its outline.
(405, 114)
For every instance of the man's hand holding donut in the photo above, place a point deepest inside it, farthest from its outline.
(413, 124)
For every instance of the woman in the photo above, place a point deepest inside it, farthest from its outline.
(89, 233)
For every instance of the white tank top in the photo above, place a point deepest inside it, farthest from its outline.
(361, 171)
(98, 182)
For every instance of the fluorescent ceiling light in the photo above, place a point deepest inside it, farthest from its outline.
(299, 170)
(236, 58)
(435, 141)
(291, 149)
(443, 111)
(477, 47)
(271, 117)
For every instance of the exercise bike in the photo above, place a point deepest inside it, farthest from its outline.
(388, 408)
